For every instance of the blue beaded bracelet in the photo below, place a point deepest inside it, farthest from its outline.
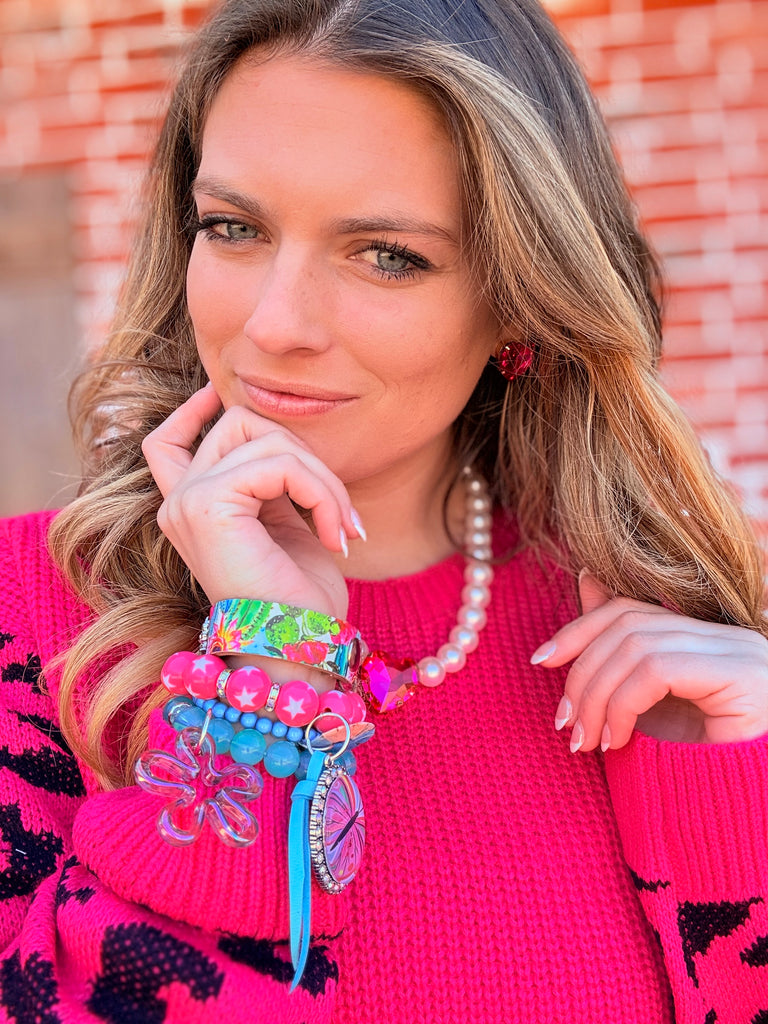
(248, 720)
(246, 745)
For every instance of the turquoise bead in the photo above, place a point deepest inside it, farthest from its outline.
(221, 732)
(172, 707)
(248, 746)
(188, 716)
(281, 759)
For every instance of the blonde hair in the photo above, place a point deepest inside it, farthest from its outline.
(599, 465)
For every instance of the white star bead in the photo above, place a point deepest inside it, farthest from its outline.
(246, 698)
(294, 707)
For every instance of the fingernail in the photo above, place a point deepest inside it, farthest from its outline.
(605, 739)
(544, 652)
(357, 523)
(343, 541)
(577, 737)
(563, 714)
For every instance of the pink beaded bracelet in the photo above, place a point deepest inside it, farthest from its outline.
(250, 689)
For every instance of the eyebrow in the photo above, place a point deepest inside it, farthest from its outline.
(393, 223)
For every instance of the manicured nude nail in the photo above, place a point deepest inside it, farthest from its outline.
(563, 714)
(544, 652)
(577, 737)
(357, 523)
(343, 541)
(605, 739)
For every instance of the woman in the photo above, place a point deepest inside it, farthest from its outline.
(356, 216)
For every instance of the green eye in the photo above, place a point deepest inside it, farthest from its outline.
(392, 262)
(218, 228)
(237, 231)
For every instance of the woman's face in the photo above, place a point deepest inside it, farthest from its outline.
(327, 286)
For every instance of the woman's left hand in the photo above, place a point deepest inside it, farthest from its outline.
(672, 677)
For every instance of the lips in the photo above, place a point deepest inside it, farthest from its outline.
(293, 399)
(297, 390)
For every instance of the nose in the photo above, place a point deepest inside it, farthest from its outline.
(290, 296)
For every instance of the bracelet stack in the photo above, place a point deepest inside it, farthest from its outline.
(206, 693)
(242, 714)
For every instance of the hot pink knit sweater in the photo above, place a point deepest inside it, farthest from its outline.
(505, 880)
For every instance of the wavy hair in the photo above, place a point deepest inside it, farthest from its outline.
(598, 464)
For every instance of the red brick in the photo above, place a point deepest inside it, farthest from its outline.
(192, 17)
(127, 20)
(649, 5)
(565, 10)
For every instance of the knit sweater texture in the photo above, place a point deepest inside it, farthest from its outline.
(504, 879)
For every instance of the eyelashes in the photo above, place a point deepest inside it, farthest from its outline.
(393, 262)
(397, 252)
(206, 225)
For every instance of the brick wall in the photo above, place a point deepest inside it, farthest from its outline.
(685, 87)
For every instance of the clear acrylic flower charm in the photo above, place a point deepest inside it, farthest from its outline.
(198, 791)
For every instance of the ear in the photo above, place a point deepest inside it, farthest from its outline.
(591, 593)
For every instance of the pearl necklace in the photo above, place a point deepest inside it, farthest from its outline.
(388, 683)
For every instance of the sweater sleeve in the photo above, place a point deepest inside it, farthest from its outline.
(101, 918)
(40, 784)
(693, 820)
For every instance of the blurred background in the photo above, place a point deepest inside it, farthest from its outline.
(82, 82)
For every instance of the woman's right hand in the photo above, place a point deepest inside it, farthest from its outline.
(227, 509)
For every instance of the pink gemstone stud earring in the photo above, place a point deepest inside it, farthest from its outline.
(514, 359)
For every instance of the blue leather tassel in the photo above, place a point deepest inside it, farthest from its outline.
(300, 865)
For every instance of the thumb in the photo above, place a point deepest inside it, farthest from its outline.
(592, 594)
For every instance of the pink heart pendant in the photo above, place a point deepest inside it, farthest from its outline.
(388, 682)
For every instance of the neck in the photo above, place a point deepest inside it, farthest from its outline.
(405, 510)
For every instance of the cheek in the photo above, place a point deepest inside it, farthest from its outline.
(211, 298)
(198, 292)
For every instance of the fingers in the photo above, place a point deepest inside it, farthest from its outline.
(628, 615)
(265, 455)
(275, 456)
(167, 448)
(634, 676)
(243, 485)
(690, 679)
(591, 594)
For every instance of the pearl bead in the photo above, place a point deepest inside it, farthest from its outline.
(479, 574)
(452, 657)
(478, 596)
(431, 672)
(479, 503)
(478, 539)
(472, 616)
(464, 636)
(480, 554)
(475, 595)
(479, 521)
